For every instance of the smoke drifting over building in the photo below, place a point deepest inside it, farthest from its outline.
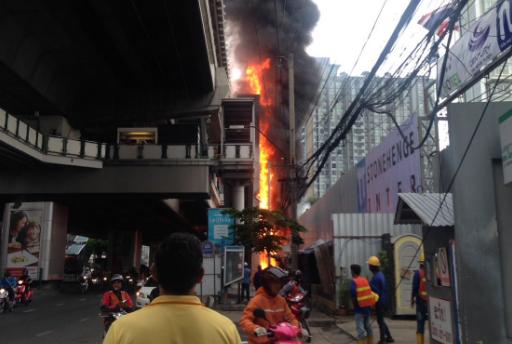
(259, 29)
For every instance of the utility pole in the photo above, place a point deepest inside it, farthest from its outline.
(292, 174)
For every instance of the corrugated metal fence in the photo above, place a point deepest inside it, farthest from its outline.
(358, 236)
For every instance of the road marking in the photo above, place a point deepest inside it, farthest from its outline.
(84, 319)
(43, 333)
(29, 310)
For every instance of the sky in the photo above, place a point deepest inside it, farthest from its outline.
(344, 26)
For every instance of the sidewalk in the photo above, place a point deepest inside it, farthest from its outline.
(403, 331)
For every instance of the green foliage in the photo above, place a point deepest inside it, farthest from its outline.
(262, 229)
(97, 246)
(384, 262)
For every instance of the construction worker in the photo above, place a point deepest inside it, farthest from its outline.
(363, 300)
(378, 285)
(419, 297)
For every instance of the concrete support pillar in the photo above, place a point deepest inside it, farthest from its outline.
(137, 249)
(122, 251)
(238, 196)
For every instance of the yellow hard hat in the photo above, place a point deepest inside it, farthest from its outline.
(374, 261)
(421, 259)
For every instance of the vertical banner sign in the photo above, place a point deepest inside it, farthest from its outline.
(441, 320)
(485, 41)
(506, 145)
(219, 227)
(23, 239)
(389, 169)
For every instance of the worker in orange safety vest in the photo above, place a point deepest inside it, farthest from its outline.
(363, 300)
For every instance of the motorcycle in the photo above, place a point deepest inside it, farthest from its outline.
(282, 333)
(23, 292)
(84, 284)
(297, 303)
(109, 318)
(6, 304)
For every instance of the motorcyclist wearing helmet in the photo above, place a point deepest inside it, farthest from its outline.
(116, 299)
(268, 299)
(293, 286)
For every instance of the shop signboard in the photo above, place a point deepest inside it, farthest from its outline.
(220, 230)
(484, 42)
(505, 122)
(389, 169)
(440, 320)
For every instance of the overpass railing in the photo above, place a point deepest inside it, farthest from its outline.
(50, 144)
(237, 151)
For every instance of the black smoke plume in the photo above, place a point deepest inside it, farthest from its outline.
(273, 28)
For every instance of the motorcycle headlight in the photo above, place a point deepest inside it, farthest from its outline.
(105, 279)
(20, 282)
(84, 278)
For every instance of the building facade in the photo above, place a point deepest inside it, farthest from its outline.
(337, 92)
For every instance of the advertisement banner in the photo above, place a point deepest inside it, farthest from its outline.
(479, 47)
(441, 267)
(23, 239)
(441, 320)
(390, 168)
(505, 122)
(219, 227)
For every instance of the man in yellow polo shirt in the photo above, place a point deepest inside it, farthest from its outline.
(177, 315)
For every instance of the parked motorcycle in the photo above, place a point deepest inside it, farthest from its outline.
(23, 292)
(297, 303)
(282, 333)
(6, 303)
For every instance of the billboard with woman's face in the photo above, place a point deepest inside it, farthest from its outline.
(23, 240)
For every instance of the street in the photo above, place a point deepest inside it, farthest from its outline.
(65, 318)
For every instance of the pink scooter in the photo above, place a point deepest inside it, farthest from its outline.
(282, 333)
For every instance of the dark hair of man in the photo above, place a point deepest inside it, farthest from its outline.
(374, 268)
(355, 269)
(179, 263)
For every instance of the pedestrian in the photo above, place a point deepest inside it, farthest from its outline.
(246, 282)
(257, 278)
(363, 300)
(378, 285)
(177, 315)
(419, 297)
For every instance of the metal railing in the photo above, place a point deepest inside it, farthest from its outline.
(50, 144)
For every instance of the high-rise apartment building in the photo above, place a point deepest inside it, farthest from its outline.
(367, 132)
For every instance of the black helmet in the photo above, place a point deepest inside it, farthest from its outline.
(271, 275)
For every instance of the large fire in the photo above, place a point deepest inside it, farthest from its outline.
(254, 77)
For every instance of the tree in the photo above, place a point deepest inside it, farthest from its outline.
(264, 230)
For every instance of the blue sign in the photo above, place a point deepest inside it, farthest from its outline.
(220, 230)
(208, 249)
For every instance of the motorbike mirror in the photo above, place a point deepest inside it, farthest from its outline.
(259, 313)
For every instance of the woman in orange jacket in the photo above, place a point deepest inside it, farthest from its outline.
(267, 299)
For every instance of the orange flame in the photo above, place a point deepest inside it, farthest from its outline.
(255, 80)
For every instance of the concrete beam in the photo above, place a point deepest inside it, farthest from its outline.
(165, 181)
